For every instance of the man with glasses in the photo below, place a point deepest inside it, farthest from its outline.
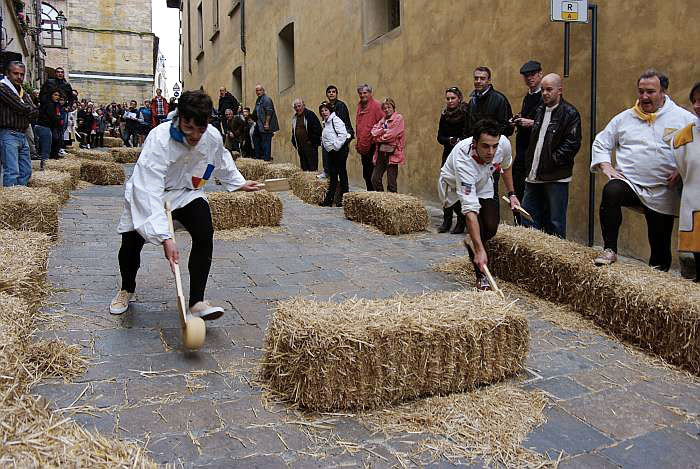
(369, 112)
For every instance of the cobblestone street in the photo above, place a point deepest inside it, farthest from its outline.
(609, 407)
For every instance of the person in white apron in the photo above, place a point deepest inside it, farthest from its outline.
(177, 160)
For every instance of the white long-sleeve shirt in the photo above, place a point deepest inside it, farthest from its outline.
(464, 179)
(642, 155)
(170, 170)
(334, 133)
(686, 150)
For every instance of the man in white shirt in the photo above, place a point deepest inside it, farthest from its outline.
(554, 142)
(645, 173)
(466, 185)
(177, 160)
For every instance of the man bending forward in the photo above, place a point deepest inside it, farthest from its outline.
(177, 160)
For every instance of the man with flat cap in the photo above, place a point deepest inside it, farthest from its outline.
(532, 75)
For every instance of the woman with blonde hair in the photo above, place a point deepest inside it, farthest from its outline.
(389, 137)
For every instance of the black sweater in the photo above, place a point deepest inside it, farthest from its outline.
(522, 140)
(456, 126)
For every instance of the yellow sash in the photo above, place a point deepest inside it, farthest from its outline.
(650, 118)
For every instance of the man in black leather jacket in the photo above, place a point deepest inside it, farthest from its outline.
(555, 140)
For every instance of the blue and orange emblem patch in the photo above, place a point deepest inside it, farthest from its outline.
(199, 182)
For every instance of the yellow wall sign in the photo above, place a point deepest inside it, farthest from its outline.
(570, 11)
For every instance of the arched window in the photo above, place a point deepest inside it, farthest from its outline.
(51, 33)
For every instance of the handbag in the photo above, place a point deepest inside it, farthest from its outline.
(387, 148)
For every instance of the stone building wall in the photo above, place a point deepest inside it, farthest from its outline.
(109, 54)
(437, 45)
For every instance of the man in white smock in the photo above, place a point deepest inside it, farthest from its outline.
(645, 171)
(177, 160)
(466, 185)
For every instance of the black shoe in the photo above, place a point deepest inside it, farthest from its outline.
(326, 203)
(460, 226)
(446, 221)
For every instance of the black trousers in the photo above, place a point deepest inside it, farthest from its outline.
(337, 165)
(368, 167)
(196, 218)
(308, 156)
(489, 217)
(618, 194)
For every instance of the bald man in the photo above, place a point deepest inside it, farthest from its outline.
(266, 125)
(555, 140)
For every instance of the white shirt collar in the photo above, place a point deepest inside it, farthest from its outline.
(539, 89)
(6, 81)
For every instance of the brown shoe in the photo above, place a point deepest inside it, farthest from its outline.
(482, 283)
(606, 258)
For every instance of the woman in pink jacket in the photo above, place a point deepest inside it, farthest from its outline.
(388, 135)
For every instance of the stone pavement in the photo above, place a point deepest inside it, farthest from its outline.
(609, 407)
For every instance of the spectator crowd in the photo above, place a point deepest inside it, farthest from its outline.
(649, 152)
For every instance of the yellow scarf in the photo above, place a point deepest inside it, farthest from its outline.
(650, 118)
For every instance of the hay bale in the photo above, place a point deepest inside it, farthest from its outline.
(59, 182)
(393, 214)
(251, 169)
(280, 170)
(126, 154)
(67, 165)
(102, 173)
(113, 142)
(230, 210)
(364, 354)
(311, 189)
(23, 263)
(29, 209)
(97, 155)
(652, 309)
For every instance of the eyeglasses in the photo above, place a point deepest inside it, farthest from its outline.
(452, 89)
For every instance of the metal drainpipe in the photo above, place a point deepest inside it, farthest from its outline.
(594, 86)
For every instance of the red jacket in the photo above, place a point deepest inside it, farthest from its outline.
(154, 109)
(364, 121)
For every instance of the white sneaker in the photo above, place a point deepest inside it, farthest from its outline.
(321, 175)
(206, 311)
(120, 303)
(62, 152)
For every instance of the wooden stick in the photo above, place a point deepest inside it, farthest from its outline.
(275, 185)
(182, 309)
(492, 282)
(518, 208)
(487, 272)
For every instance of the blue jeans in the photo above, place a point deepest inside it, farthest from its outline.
(263, 145)
(44, 139)
(14, 151)
(547, 203)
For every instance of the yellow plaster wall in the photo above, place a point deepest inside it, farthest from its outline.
(438, 45)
